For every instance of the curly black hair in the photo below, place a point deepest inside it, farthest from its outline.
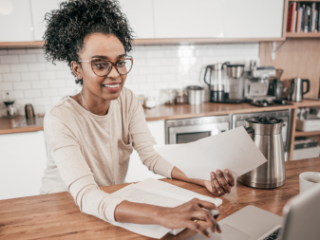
(68, 26)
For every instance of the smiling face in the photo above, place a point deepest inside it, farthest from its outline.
(104, 47)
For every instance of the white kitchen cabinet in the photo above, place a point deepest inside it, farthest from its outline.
(15, 21)
(253, 18)
(188, 18)
(39, 9)
(137, 171)
(140, 16)
(22, 164)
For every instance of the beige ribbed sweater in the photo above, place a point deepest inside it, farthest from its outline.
(86, 151)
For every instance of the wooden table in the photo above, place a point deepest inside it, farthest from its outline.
(55, 216)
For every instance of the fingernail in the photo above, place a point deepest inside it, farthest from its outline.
(227, 171)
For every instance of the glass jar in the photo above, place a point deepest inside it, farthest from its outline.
(168, 96)
(11, 109)
(181, 96)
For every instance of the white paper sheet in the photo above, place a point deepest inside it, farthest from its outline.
(233, 150)
(155, 192)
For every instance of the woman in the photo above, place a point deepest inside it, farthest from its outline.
(90, 136)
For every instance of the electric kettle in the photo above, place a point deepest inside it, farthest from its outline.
(266, 132)
(296, 89)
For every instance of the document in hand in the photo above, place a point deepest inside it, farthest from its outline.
(233, 150)
(159, 193)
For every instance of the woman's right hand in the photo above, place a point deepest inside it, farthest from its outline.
(183, 216)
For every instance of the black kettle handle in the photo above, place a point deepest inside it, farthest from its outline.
(308, 85)
(205, 74)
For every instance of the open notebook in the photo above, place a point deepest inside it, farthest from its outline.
(155, 192)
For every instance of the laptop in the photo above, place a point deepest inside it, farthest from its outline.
(301, 221)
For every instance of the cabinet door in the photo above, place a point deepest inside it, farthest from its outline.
(137, 171)
(253, 18)
(140, 16)
(39, 9)
(15, 21)
(188, 18)
(22, 164)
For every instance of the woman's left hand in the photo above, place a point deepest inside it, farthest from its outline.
(219, 185)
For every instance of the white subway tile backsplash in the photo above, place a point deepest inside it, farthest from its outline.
(23, 101)
(39, 109)
(67, 91)
(48, 75)
(30, 58)
(9, 59)
(40, 84)
(64, 74)
(16, 51)
(56, 66)
(32, 93)
(56, 99)
(4, 68)
(138, 79)
(50, 92)
(41, 58)
(55, 83)
(30, 76)
(21, 85)
(3, 51)
(27, 74)
(17, 94)
(37, 67)
(42, 101)
(6, 86)
(71, 83)
(19, 67)
(35, 51)
(9, 77)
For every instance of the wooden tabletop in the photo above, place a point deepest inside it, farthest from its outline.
(55, 216)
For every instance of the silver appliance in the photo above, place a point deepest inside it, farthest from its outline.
(296, 89)
(256, 85)
(235, 83)
(192, 129)
(195, 95)
(238, 120)
(266, 132)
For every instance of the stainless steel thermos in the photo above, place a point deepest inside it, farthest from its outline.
(266, 132)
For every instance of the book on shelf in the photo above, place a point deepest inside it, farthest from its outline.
(303, 17)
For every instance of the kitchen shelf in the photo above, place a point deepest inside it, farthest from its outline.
(303, 35)
(305, 134)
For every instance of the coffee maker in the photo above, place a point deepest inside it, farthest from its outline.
(256, 85)
(225, 82)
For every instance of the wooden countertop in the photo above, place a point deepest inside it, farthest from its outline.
(55, 216)
(165, 112)
(7, 126)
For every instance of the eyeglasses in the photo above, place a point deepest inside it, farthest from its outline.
(102, 67)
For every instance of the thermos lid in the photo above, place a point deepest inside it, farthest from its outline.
(264, 120)
(265, 126)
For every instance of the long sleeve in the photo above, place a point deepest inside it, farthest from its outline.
(143, 141)
(75, 172)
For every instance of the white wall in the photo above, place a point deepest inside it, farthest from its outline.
(29, 78)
